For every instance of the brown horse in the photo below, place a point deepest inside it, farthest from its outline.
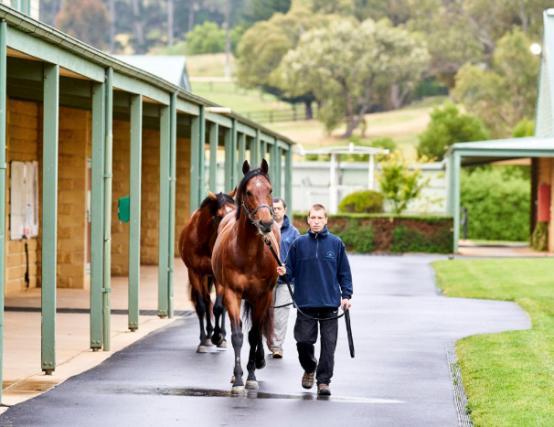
(245, 269)
(195, 245)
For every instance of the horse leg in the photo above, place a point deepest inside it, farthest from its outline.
(200, 308)
(254, 338)
(260, 355)
(218, 337)
(233, 306)
(208, 304)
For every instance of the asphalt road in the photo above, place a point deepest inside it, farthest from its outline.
(400, 376)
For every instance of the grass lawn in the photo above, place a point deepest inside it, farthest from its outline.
(508, 377)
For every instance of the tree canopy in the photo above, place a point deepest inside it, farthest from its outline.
(347, 65)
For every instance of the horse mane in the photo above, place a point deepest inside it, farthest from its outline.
(241, 189)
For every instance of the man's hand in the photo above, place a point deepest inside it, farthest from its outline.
(345, 304)
(281, 270)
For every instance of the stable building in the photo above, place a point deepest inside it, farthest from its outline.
(102, 164)
(539, 149)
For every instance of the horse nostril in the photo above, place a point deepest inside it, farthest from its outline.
(266, 226)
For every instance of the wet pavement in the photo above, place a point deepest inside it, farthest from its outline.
(401, 376)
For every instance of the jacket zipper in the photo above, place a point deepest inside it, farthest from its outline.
(316, 246)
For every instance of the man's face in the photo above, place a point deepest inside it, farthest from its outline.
(279, 211)
(317, 220)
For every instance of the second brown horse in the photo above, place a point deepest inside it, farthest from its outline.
(244, 268)
(195, 245)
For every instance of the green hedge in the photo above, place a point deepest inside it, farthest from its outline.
(498, 201)
(379, 233)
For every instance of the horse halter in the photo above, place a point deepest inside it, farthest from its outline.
(250, 213)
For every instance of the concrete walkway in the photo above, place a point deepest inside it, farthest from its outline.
(400, 376)
(22, 373)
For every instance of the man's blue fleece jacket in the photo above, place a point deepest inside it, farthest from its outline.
(318, 265)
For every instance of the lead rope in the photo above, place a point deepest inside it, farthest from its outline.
(267, 241)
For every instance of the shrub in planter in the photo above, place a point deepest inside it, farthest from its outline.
(405, 239)
(357, 237)
(362, 202)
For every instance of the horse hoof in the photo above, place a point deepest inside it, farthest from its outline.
(238, 390)
(217, 339)
(202, 348)
(252, 385)
(260, 364)
(222, 345)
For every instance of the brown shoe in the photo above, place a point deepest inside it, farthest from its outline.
(308, 380)
(323, 390)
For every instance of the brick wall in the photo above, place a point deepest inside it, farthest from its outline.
(150, 197)
(74, 143)
(120, 187)
(23, 130)
(182, 191)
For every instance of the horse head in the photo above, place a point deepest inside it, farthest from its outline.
(221, 203)
(254, 197)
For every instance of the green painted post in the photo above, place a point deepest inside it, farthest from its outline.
(194, 167)
(288, 178)
(3, 143)
(134, 225)
(165, 175)
(214, 138)
(201, 157)
(255, 148)
(229, 151)
(456, 166)
(263, 151)
(108, 166)
(275, 169)
(241, 157)
(97, 220)
(173, 183)
(49, 215)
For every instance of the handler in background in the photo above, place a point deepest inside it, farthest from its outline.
(318, 264)
(289, 233)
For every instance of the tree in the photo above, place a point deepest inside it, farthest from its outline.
(261, 10)
(447, 127)
(398, 183)
(345, 65)
(506, 93)
(206, 38)
(263, 46)
(87, 20)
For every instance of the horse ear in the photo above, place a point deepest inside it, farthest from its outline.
(212, 195)
(264, 167)
(233, 193)
(245, 167)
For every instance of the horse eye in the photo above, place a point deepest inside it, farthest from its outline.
(248, 193)
(271, 191)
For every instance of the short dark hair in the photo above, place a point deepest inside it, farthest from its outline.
(279, 199)
(317, 207)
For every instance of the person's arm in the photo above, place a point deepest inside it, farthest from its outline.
(288, 264)
(344, 277)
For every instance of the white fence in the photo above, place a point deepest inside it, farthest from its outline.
(310, 182)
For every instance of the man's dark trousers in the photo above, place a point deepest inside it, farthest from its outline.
(305, 334)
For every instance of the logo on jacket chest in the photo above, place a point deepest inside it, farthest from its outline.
(329, 254)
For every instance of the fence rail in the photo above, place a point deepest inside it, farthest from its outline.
(272, 116)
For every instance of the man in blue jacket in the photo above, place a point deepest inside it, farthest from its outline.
(289, 233)
(318, 264)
